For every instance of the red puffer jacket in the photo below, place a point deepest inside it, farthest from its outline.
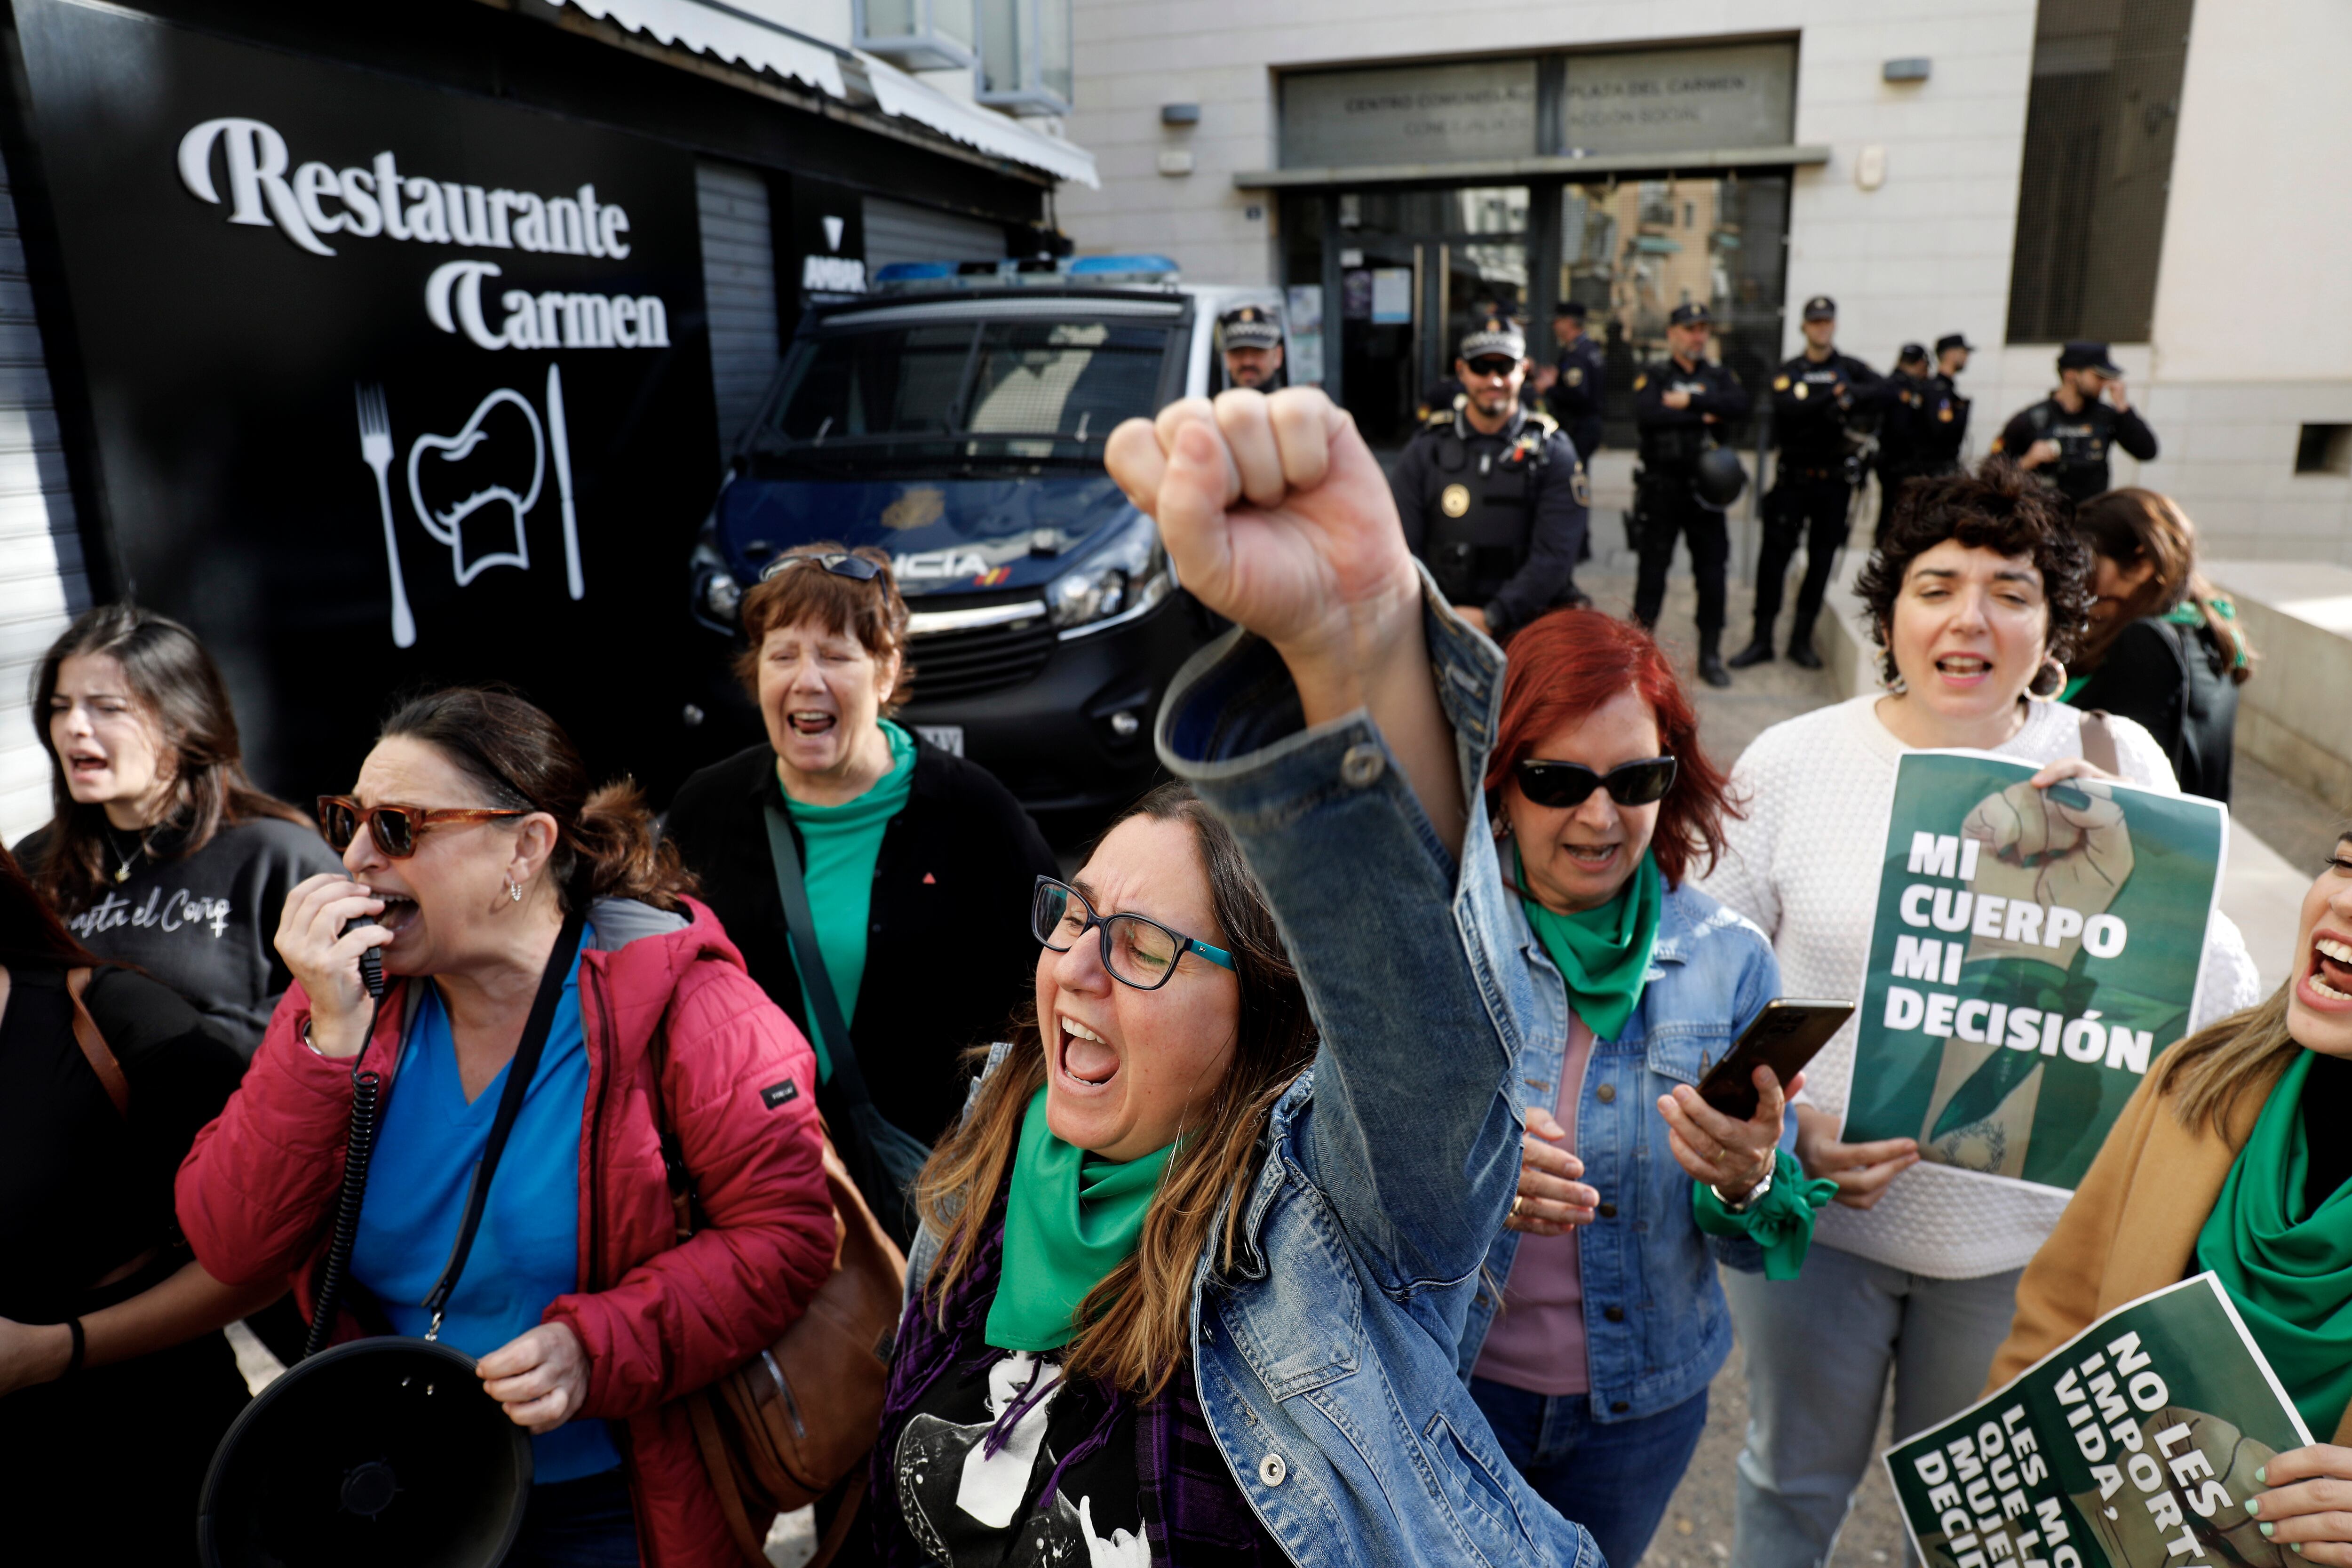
(257, 1194)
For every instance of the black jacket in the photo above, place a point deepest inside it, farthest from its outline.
(949, 954)
(2175, 682)
(1813, 401)
(1499, 519)
(2085, 442)
(1674, 438)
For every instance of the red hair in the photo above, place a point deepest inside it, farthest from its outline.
(1570, 664)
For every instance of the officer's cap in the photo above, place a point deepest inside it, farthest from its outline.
(1821, 307)
(2085, 354)
(1912, 354)
(1953, 340)
(1570, 309)
(1694, 314)
(1495, 335)
(1251, 327)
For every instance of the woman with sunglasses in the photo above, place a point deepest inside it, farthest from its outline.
(1177, 1297)
(917, 865)
(1977, 595)
(1593, 1351)
(480, 866)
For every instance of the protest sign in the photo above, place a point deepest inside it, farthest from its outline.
(2134, 1445)
(2034, 951)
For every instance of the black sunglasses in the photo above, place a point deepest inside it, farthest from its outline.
(1492, 365)
(855, 567)
(1644, 782)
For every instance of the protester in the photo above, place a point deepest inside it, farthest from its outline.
(1175, 1299)
(1594, 1371)
(161, 852)
(2231, 1157)
(1979, 595)
(475, 848)
(917, 864)
(114, 1386)
(2165, 648)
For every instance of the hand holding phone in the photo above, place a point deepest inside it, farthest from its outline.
(1784, 1037)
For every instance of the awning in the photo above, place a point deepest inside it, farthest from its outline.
(1495, 171)
(738, 34)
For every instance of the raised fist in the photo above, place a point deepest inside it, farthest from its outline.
(2067, 845)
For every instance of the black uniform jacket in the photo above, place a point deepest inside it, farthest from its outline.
(1451, 475)
(2084, 441)
(1813, 404)
(1922, 424)
(1672, 438)
(1579, 384)
(948, 953)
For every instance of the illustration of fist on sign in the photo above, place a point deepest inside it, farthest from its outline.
(2033, 949)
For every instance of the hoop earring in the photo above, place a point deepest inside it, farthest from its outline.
(2049, 680)
(514, 889)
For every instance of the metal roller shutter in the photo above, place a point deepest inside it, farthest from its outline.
(739, 280)
(42, 583)
(900, 231)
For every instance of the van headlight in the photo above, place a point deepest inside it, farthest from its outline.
(1122, 579)
(716, 599)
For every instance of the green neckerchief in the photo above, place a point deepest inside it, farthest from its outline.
(2290, 1274)
(2191, 613)
(1780, 1222)
(2066, 692)
(1069, 1220)
(1604, 953)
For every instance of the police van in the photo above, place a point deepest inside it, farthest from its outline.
(955, 417)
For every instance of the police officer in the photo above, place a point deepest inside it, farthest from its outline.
(1680, 406)
(1816, 398)
(1493, 496)
(1253, 347)
(2067, 437)
(1573, 386)
(1908, 402)
(1951, 435)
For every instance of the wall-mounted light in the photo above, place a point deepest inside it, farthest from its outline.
(1180, 115)
(1914, 69)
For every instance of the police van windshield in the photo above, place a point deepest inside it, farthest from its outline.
(1033, 391)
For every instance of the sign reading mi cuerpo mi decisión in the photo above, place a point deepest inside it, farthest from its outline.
(2034, 951)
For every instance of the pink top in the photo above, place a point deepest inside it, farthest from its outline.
(1537, 1340)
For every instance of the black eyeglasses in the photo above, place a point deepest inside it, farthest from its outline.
(1493, 365)
(1135, 950)
(856, 568)
(1644, 782)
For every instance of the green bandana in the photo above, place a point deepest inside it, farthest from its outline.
(2290, 1275)
(1604, 953)
(1070, 1219)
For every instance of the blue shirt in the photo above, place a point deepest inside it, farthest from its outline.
(527, 1251)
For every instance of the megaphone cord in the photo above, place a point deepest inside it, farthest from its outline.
(367, 1089)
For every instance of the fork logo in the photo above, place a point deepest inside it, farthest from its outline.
(493, 468)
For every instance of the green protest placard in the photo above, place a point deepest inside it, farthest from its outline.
(2034, 951)
(2134, 1445)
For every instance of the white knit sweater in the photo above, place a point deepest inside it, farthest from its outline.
(1803, 865)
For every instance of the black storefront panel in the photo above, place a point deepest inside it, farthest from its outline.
(364, 441)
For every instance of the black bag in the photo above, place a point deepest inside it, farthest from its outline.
(883, 1159)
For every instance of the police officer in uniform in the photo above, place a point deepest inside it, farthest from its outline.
(1816, 399)
(1681, 405)
(1951, 435)
(1572, 387)
(1908, 403)
(1253, 347)
(2067, 437)
(1492, 495)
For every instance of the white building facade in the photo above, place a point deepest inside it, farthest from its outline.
(2161, 174)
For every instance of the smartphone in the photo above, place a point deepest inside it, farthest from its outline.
(1784, 1038)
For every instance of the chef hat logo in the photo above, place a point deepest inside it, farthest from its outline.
(471, 489)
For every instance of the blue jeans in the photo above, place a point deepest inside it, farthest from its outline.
(1613, 1477)
(586, 1523)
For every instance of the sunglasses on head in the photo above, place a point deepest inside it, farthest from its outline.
(394, 829)
(856, 568)
(1492, 365)
(1644, 782)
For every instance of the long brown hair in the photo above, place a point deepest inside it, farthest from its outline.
(1136, 1323)
(2207, 1072)
(605, 846)
(2132, 525)
(179, 691)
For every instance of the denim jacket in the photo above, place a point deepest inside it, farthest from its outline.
(1643, 1258)
(1325, 1361)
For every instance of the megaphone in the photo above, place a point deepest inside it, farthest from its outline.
(380, 1453)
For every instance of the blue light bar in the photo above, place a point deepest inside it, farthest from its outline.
(1139, 266)
(912, 272)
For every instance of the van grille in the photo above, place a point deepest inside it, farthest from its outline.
(950, 666)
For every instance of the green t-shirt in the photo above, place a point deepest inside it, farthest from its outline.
(838, 848)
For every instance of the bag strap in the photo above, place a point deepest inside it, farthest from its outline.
(87, 1035)
(800, 925)
(2099, 743)
(519, 1072)
(720, 1467)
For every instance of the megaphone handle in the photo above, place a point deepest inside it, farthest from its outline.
(366, 1090)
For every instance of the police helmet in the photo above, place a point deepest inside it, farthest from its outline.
(1719, 478)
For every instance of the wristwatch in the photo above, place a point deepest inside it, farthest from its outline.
(1757, 1190)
